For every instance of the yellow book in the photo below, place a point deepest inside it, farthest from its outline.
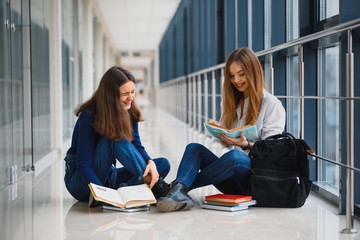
(124, 197)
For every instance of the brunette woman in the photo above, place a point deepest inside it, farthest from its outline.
(107, 130)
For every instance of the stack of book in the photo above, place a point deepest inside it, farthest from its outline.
(227, 202)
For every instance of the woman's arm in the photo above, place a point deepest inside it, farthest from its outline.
(137, 143)
(86, 148)
(271, 121)
(152, 171)
(150, 166)
(273, 118)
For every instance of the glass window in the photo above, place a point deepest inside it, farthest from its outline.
(267, 24)
(328, 8)
(292, 86)
(250, 23)
(40, 78)
(292, 104)
(68, 64)
(329, 116)
(292, 19)
(6, 110)
(267, 43)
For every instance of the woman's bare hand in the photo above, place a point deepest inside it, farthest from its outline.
(240, 141)
(152, 170)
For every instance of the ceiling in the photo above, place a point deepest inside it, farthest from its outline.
(137, 26)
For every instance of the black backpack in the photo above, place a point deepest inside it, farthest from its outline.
(279, 175)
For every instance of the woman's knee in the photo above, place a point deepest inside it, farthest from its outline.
(194, 147)
(163, 166)
(237, 158)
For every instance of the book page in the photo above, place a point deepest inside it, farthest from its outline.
(214, 130)
(239, 128)
(106, 194)
(217, 125)
(137, 193)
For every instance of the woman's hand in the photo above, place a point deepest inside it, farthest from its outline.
(152, 170)
(214, 122)
(240, 141)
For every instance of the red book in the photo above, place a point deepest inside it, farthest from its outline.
(226, 203)
(228, 198)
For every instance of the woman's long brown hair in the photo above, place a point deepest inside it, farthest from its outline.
(110, 118)
(232, 98)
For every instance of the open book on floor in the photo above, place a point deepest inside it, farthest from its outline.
(250, 132)
(124, 197)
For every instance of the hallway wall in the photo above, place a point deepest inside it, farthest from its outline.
(53, 55)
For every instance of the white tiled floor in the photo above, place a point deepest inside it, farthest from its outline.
(41, 208)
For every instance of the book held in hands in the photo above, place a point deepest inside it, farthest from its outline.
(250, 132)
(124, 197)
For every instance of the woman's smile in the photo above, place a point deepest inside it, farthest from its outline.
(127, 94)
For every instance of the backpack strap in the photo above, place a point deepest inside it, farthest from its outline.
(285, 135)
(281, 135)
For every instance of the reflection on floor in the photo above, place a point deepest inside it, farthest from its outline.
(38, 206)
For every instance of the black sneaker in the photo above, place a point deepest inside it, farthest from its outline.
(176, 199)
(161, 188)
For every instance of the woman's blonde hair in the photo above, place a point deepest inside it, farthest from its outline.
(111, 120)
(232, 98)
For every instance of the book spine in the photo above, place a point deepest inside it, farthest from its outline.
(243, 204)
(228, 200)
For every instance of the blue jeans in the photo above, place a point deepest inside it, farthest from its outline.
(106, 152)
(200, 167)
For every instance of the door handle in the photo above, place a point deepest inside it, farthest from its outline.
(13, 28)
(7, 25)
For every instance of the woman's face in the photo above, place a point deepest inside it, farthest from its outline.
(127, 94)
(238, 78)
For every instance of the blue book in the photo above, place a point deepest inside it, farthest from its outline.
(250, 132)
(225, 208)
(221, 207)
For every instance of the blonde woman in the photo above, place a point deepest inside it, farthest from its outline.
(106, 131)
(245, 102)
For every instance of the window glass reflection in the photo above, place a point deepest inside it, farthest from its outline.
(329, 115)
(292, 104)
(328, 8)
(40, 78)
(68, 65)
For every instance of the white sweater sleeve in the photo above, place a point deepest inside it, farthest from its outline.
(274, 118)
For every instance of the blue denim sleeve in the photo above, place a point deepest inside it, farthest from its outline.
(137, 143)
(86, 148)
